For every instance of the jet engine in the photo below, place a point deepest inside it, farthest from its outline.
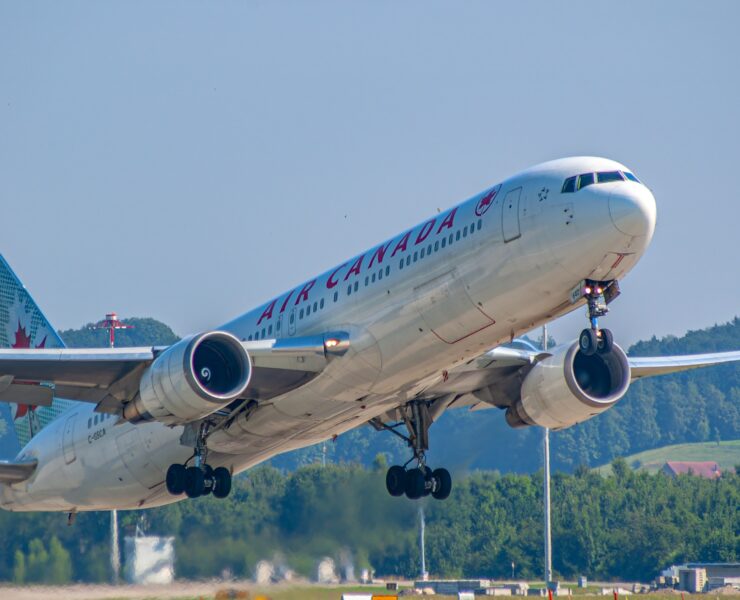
(192, 379)
(570, 387)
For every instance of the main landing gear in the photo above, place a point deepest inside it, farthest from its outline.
(199, 479)
(421, 480)
(593, 339)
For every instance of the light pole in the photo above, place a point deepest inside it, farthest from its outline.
(546, 487)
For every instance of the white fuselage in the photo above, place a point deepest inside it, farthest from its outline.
(415, 306)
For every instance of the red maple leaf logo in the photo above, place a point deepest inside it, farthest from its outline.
(23, 340)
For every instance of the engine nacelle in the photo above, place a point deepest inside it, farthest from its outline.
(570, 387)
(192, 379)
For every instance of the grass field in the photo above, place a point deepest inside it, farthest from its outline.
(726, 454)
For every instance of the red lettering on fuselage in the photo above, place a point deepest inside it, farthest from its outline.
(303, 294)
(425, 231)
(267, 313)
(285, 302)
(331, 282)
(355, 268)
(379, 254)
(401, 245)
(449, 221)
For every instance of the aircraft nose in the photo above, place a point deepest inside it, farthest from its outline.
(633, 212)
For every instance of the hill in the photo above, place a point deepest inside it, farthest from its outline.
(726, 454)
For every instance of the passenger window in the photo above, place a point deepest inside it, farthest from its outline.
(444, 242)
(269, 330)
(277, 325)
(249, 338)
(315, 306)
(436, 245)
(400, 265)
(300, 315)
(349, 290)
(373, 278)
(465, 231)
(380, 274)
(95, 420)
(472, 227)
(457, 235)
(367, 281)
(450, 240)
(480, 224)
(607, 176)
(262, 335)
(336, 297)
(321, 305)
(416, 255)
(292, 316)
(429, 249)
(387, 271)
(568, 187)
(89, 423)
(308, 310)
(408, 261)
(357, 285)
(257, 335)
(585, 179)
(422, 253)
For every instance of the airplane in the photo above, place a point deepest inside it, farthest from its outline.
(393, 337)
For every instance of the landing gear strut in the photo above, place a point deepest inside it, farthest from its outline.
(199, 479)
(593, 339)
(421, 480)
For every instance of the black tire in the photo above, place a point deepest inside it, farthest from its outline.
(415, 484)
(395, 481)
(175, 480)
(588, 342)
(443, 484)
(222, 480)
(194, 482)
(606, 342)
(208, 481)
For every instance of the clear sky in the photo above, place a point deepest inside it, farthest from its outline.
(189, 160)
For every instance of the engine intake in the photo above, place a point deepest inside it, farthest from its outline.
(570, 387)
(192, 379)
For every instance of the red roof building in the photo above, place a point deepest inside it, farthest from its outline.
(706, 469)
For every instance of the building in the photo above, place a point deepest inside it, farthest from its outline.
(692, 580)
(706, 469)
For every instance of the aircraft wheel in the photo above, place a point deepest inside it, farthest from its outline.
(395, 481)
(588, 342)
(606, 342)
(208, 480)
(442, 484)
(222, 482)
(415, 484)
(175, 480)
(194, 482)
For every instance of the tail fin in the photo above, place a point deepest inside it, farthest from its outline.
(23, 325)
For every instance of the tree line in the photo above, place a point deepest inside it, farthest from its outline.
(627, 526)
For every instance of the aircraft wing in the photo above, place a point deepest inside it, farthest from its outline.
(494, 378)
(110, 376)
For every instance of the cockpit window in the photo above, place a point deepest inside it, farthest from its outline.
(569, 186)
(606, 176)
(585, 179)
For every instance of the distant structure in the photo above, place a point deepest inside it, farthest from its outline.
(150, 559)
(706, 469)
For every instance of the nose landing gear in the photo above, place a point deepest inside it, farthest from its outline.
(598, 295)
(420, 481)
(199, 479)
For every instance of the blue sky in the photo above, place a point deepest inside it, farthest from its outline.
(190, 160)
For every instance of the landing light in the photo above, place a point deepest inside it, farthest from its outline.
(331, 343)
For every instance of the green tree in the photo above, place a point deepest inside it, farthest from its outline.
(19, 567)
(60, 565)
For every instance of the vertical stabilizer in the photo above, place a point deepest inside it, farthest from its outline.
(23, 325)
